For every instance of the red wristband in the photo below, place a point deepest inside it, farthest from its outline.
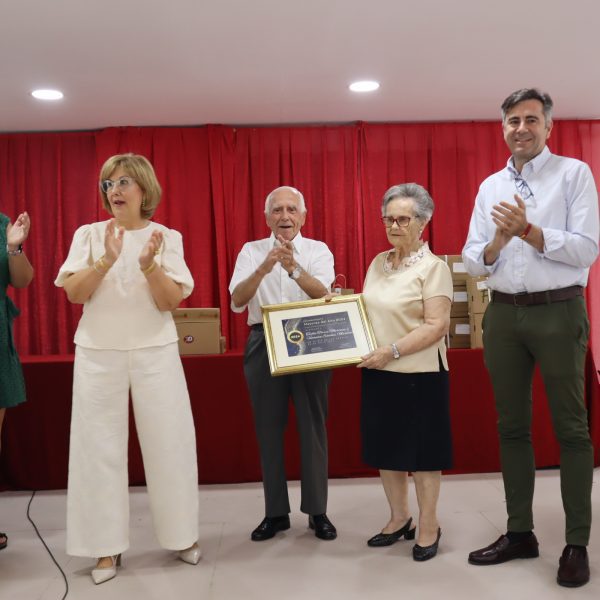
(526, 231)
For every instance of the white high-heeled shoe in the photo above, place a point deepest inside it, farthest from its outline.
(191, 555)
(102, 574)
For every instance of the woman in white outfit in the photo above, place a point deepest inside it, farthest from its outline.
(129, 273)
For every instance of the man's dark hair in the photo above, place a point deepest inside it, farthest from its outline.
(529, 94)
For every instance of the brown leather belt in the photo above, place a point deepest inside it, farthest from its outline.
(547, 297)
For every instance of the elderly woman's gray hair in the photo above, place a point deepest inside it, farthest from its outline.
(417, 193)
(289, 188)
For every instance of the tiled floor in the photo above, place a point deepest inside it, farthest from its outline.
(295, 565)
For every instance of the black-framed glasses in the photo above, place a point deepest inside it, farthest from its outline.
(123, 182)
(400, 221)
(523, 188)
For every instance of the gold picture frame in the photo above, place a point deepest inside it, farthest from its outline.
(315, 334)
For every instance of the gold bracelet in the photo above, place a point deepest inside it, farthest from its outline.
(149, 268)
(104, 268)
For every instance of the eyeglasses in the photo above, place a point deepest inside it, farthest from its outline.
(123, 182)
(522, 187)
(400, 221)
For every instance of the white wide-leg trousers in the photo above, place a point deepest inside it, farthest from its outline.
(97, 495)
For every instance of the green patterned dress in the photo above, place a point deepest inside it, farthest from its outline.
(12, 386)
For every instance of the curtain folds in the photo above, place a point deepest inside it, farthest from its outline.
(215, 179)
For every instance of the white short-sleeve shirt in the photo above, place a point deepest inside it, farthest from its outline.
(277, 287)
(121, 314)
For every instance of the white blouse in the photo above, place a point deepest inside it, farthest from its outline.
(121, 314)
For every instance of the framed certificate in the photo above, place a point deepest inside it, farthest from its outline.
(314, 334)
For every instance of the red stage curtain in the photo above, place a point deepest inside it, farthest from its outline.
(52, 176)
(215, 180)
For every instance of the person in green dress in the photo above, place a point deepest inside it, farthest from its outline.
(16, 270)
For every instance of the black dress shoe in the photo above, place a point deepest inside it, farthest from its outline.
(421, 553)
(269, 526)
(387, 539)
(323, 527)
(574, 566)
(502, 550)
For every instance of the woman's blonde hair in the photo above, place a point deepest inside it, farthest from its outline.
(140, 169)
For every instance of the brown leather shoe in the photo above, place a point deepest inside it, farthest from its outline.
(573, 566)
(502, 550)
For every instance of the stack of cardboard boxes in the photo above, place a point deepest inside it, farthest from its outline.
(459, 335)
(479, 298)
(468, 305)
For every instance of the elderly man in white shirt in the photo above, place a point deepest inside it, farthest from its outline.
(285, 267)
(537, 252)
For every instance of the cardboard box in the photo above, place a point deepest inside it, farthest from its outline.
(479, 294)
(475, 321)
(460, 301)
(459, 335)
(198, 330)
(456, 266)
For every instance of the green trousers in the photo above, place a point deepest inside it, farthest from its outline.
(554, 336)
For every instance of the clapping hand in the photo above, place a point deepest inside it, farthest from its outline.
(280, 253)
(151, 249)
(17, 232)
(286, 254)
(113, 243)
(510, 220)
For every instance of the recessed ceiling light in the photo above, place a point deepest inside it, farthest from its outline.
(364, 86)
(47, 94)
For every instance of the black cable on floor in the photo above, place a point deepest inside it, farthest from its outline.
(48, 549)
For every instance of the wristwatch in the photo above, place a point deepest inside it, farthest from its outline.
(297, 272)
(395, 351)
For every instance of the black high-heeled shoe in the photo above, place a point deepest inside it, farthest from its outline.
(421, 553)
(387, 539)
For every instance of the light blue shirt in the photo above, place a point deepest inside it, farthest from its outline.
(564, 204)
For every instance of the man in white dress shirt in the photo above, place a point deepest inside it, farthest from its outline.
(534, 231)
(285, 267)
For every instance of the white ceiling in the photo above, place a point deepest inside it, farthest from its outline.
(192, 62)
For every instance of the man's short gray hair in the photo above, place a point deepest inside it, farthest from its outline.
(289, 188)
(417, 193)
(529, 94)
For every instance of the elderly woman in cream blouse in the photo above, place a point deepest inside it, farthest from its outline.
(405, 420)
(129, 273)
